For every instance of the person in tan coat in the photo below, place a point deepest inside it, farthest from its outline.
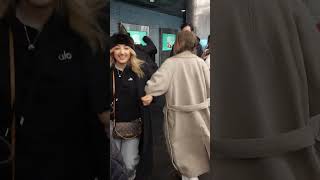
(184, 79)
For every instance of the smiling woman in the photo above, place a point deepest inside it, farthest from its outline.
(130, 126)
(122, 54)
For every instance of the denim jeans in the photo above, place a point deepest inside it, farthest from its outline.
(129, 150)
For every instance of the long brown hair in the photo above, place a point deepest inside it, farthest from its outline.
(82, 16)
(187, 41)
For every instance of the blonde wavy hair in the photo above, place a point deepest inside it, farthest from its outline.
(134, 62)
(83, 17)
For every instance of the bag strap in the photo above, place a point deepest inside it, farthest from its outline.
(114, 107)
(12, 100)
(114, 98)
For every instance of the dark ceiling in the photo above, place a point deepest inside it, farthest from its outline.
(171, 7)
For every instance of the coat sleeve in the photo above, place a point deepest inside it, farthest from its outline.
(150, 47)
(206, 71)
(160, 80)
(310, 42)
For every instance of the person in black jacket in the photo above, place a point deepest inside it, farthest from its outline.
(61, 87)
(129, 76)
(147, 53)
(150, 48)
(144, 56)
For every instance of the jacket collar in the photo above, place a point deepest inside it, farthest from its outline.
(185, 54)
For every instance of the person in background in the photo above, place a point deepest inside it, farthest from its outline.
(60, 87)
(150, 48)
(185, 81)
(206, 54)
(189, 27)
(144, 56)
(129, 76)
(147, 53)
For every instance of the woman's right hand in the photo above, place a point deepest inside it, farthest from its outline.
(146, 100)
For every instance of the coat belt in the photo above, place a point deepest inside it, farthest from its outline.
(182, 108)
(231, 148)
(190, 108)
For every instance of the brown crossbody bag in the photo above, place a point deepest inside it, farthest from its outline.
(124, 130)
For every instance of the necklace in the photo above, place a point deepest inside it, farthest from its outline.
(119, 74)
(31, 45)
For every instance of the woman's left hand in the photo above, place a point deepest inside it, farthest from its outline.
(146, 100)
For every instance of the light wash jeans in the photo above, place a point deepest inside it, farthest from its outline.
(129, 150)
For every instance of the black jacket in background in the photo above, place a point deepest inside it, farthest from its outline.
(150, 48)
(141, 54)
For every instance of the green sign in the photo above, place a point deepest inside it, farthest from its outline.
(168, 41)
(137, 37)
(204, 43)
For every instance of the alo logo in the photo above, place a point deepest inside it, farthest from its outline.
(65, 56)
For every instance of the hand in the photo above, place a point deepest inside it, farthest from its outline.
(146, 100)
(104, 118)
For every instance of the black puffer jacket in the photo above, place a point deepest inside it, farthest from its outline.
(143, 55)
(150, 48)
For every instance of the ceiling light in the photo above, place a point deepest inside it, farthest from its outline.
(152, 1)
(183, 10)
